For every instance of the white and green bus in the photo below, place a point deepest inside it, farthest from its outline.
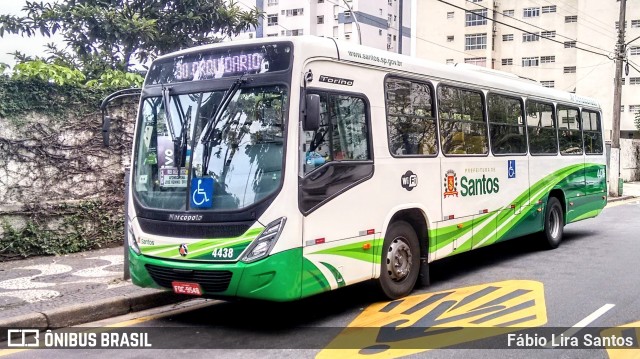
(279, 169)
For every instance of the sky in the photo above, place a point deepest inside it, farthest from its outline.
(27, 45)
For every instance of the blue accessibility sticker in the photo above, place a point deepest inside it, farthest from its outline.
(511, 168)
(201, 192)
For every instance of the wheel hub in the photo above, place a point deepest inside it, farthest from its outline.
(399, 259)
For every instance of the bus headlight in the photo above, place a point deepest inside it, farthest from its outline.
(261, 246)
(132, 241)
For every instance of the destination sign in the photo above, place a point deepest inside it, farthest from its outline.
(218, 63)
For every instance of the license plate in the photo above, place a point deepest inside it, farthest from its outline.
(186, 288)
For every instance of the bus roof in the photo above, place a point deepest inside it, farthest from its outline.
(314, 46)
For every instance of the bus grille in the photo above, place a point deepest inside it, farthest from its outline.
(211, 281)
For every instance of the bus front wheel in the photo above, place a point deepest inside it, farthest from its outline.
(400, 261)
(553, 224)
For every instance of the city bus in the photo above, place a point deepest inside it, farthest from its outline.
(280, 168)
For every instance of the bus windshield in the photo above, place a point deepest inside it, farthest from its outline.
(243, 148)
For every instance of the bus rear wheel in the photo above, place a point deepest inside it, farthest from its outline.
(400, 263)
(553, 224)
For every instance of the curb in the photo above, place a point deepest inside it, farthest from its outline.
(88, 312)
(618, 199)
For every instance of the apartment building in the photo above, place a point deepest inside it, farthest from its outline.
(566, 44)
(384, 24)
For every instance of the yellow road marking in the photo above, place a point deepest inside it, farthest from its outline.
(617, 353)
(434, 320)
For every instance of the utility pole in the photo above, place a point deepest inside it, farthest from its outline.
(614, 162)
(356, 20)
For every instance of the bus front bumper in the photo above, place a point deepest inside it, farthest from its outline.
(276, 277)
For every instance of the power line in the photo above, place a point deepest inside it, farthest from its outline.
(589, 73)
(607, 28)
(537, 27)
(523, 30)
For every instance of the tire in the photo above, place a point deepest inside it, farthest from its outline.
(553, 224)
(400, 262)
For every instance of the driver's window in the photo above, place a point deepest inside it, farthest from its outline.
(343, 132)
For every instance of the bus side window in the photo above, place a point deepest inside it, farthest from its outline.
(541, 123)
(411, 122)
(463, 130)
(506, 125)
(343, 133)
(570, 132)
(592, 132)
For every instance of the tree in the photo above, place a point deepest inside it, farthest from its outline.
(103, 34)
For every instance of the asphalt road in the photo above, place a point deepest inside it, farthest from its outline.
(592, 280)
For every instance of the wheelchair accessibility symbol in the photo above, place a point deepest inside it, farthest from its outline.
(201, 192)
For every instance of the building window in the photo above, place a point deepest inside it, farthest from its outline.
(634, 108)
(549, 84)
(634, 50)
(622, 81)
(320, 19)
(411, 121)
(548, 34)
(635, 23)
(449, 38)
(634, 80)
(272, 35)
(272, 19)
(449, 61)
(509, 13)
(295, 12)
(531, 12)
(476, 17)
(618, 25)
(475, 41)
(569, 44)
(548, 9)
(380, 32)
(572, 18)
(507, 62)
(347, 14)
(450, 15)
(527, 37)
(530, 61)
(478, 61)
(569, 69)
(476, 0)
(547, 59)
(296, 32)
(272, 2)
(507, 37)
(320, 1)
(621, 108)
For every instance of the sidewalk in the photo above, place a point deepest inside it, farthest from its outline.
(60, 291)
(629, 190)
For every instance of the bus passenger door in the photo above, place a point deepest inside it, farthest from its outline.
(333, 189)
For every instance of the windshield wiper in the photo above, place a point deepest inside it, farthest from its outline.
(209, 129)
(179, 142)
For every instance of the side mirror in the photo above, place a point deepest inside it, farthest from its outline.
(311, 120)
(106, 128)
